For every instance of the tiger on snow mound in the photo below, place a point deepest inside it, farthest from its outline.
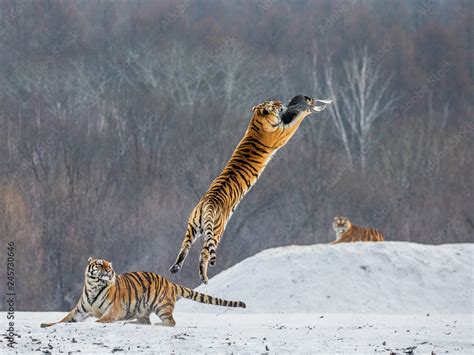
(133, 295)
(271, 127)
(348, 232)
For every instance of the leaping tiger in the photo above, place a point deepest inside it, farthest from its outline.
(271, 127)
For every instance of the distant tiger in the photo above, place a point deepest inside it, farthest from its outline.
(134, 295)
(347, 232)
(271, 127)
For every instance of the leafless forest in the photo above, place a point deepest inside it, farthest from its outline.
(116, 115)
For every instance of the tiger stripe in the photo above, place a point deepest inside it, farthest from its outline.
(133, 295)
(347, 232)
(270, 128)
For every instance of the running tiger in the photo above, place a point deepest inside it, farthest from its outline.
(347, 232)
(271, 127)
(134, 295)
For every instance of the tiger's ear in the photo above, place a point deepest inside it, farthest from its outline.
(91, 258)
(254, 108)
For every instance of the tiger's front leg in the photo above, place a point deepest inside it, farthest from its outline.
(74, 316)
(110, 317)
(340, 240)
(189, 239)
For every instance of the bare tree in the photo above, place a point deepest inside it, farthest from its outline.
(361, 98)
(114, 119)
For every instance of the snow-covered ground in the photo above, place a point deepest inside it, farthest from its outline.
(347, 298)
(252, 333)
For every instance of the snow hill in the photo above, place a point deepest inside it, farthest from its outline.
(384, 278)
(333, 299)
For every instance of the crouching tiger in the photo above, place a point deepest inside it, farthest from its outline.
(347, 232)
(133, 295)
(271, 127)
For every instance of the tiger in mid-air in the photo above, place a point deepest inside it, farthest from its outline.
(133, 295)
(271, 127)
(347, 232)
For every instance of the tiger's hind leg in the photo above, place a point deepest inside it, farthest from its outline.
(165, 312)
(213, 242)
(203, 265)
(190, 237)
(208, 253)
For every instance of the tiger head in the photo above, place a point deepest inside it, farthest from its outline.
(99, 270)
(273, 118)
(341, 225)
(268, 114)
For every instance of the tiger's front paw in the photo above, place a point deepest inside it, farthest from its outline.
(102, 320)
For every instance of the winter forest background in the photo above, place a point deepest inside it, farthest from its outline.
(116, 115)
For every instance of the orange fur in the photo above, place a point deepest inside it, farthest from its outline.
(271, 127)
(347, 232)
(134, 295)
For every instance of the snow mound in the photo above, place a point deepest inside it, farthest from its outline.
(387, 278)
